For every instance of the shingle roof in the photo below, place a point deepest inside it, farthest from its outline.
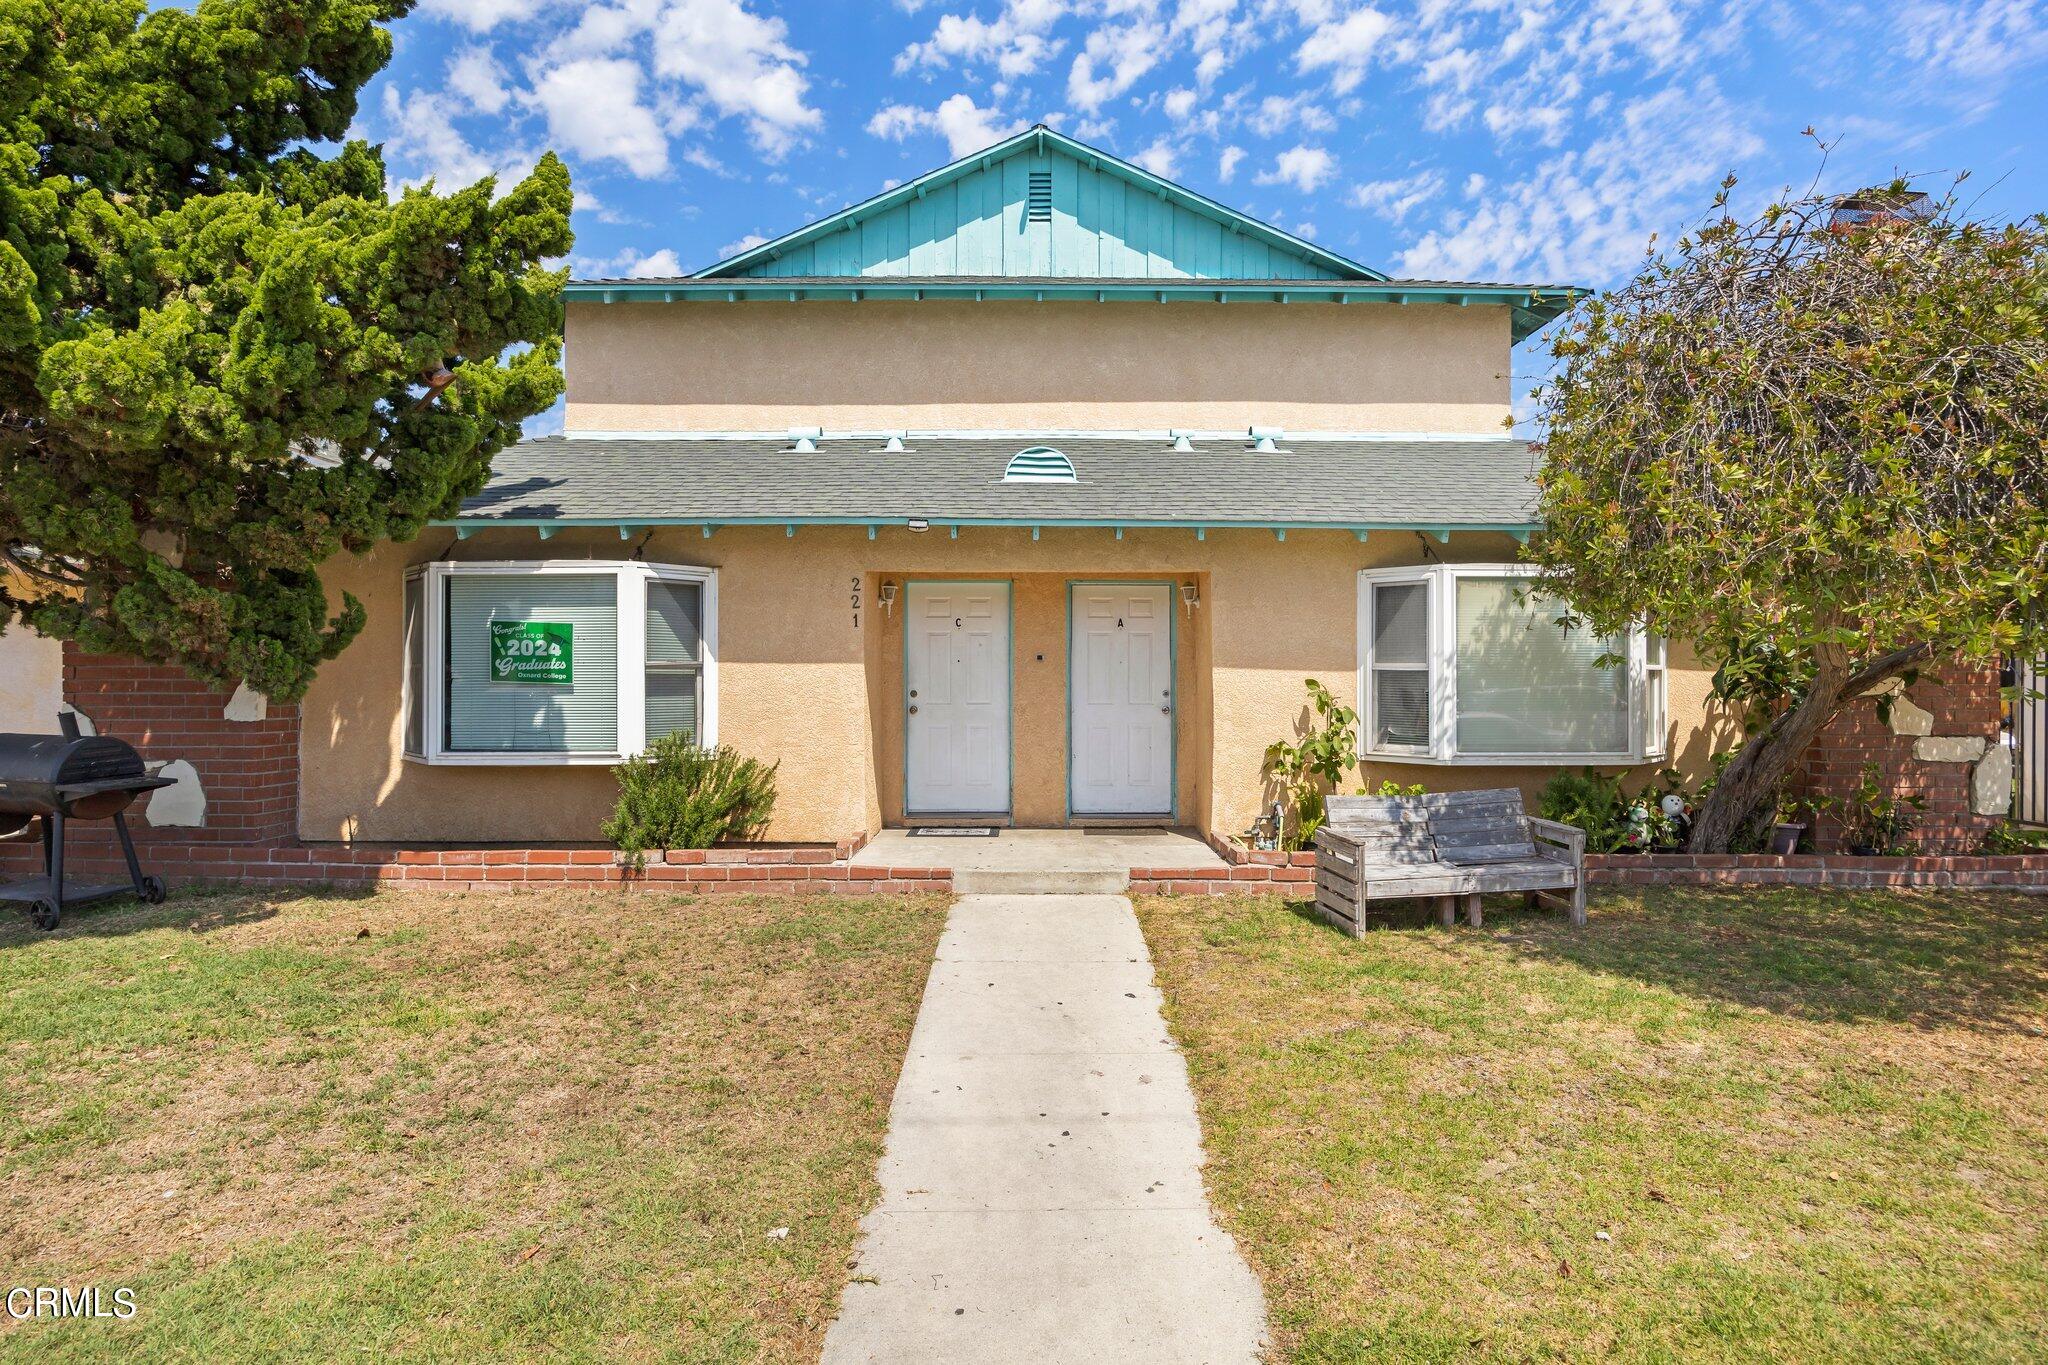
(1359, 482)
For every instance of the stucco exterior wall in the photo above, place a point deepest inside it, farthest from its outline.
(31, 682)
(1036, 366)
(802, 683)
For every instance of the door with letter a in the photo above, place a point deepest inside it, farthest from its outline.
(1120, 695)
(957, 698)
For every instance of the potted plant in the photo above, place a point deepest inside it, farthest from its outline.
(1794, 816)
(1880, 822)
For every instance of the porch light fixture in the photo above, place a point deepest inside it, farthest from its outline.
(918, 524)
(887, 594)
(1190, 596)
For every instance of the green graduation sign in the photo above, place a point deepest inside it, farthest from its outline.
(533, 652)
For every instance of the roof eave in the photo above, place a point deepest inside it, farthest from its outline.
(1534, 307)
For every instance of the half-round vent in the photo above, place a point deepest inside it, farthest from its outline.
(1039, 464)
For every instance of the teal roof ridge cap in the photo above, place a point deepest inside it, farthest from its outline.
(1035, 138)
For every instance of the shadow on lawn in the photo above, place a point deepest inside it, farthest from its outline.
(195, 911)
(1947, 959)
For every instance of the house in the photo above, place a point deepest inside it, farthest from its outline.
(1030, 490)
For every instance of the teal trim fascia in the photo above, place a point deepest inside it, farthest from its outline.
(1040, 138)
(1534, 306)
(465, 527)
(1172, 586)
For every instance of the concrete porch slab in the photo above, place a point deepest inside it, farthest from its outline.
(1084, 856)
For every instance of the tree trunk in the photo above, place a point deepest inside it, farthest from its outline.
(1766, 758)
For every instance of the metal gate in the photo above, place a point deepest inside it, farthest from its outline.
(2030, 742)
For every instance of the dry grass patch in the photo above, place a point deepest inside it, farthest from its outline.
(1778, 1125)
(451, 1126)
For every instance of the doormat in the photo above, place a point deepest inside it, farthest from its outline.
(953, 832)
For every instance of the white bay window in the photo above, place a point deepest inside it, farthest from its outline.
(557, 661)
(1463, 663)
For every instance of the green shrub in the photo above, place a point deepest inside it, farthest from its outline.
(1306, 771)
(1592, 802)
(677, 795)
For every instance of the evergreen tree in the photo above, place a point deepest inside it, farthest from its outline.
(226, 352)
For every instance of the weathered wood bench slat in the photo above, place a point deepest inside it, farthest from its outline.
(1446, 846)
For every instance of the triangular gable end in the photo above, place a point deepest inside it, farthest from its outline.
(1040, 205)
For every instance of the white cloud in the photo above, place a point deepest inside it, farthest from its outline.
(629, 265)
(1395, 199)
(1112, 61)
(593, 109)
(1305, 168)
(1015, 41)
(1179, 103)
(661, 263)
(966, 126)
(1970, 48)
(1226, 164)
(1586, 215)
(742, 62)
(481, 16)
(1159, 158)
(475, 75)
(1275, 113)
(1345, 47)
(423, 139)
(745, 243)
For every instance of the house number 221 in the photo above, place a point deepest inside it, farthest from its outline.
(856, 601)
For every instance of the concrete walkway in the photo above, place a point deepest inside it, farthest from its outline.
(1043, 860)
(1041, 1192)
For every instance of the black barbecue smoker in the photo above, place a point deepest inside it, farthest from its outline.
(57, 778)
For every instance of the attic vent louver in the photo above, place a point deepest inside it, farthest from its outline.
(1038, 201)
(1039, 464)
(804, 440)
(1265, 440)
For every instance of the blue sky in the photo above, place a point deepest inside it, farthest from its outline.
(1518, 140)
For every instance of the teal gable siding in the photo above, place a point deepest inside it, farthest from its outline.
(976, 222)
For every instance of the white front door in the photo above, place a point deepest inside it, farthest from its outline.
(1120, 689)
(957, 681)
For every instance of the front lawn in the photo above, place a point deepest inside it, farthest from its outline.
(1711, 1125)
(450, 1126)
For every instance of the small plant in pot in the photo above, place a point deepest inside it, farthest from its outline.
(1880, 822)
(1794, 816)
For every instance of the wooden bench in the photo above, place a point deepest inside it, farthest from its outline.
(1445, 846)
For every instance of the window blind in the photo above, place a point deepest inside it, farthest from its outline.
(675, 656)
(487, 716)
(414, 631)
(1527, 685)
(1400, 658)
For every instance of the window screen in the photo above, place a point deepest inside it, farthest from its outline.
(414, 630)
(1400, 664)
(1527, 685)
(580, 715)
(675, 658)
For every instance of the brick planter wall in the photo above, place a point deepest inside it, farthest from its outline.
(787, 870)
(1958, 701)
(2025, 872)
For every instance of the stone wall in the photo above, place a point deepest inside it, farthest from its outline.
(1942, 743)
